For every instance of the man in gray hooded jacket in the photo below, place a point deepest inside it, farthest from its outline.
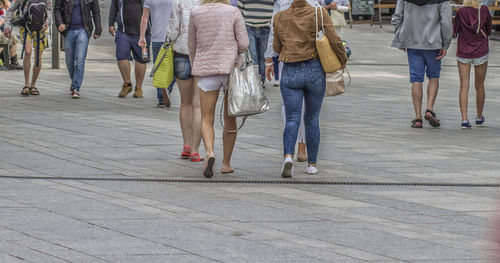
(424, 30)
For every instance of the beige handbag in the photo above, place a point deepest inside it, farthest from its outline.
(327, 57)
(338, 18)
(335, 84)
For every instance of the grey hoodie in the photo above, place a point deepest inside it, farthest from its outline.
(422, 24)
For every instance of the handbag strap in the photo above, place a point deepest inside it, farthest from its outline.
(317, 21)
(221, 117)
(349, 75)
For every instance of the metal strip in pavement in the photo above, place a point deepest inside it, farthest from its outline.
(237, 181)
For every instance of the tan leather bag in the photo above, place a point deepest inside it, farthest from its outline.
(327, 56)
(335, 83)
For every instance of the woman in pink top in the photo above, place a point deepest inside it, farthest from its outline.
(472, 25)
(216, 35)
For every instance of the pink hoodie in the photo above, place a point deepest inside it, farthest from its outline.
(217, 33)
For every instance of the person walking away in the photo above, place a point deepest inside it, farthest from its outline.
(336, 9)
(473, 26)
(127, 15)
(32, 19)
(281, 5)
(159, 10)
(73, 20)
(216, 35)
(424, 31)
(190, 111)
(11, 41)
(257, 15)
(303, 78)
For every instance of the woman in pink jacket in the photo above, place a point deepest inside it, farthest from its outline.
(217, 34)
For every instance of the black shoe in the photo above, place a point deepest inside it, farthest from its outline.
(14, 63)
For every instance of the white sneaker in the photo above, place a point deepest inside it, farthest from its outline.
(76, 94)
(311, 170)
(287, 168)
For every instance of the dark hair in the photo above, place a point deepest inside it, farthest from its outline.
(3, 2)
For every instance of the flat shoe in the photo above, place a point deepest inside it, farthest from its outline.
(208, 170)
(226, 169)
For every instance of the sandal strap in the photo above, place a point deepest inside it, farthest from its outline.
(431, 112)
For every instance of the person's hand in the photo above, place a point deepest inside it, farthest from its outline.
(96, 36)
(61, 28)
(344, 65)
(6, 32)
(269, 69)
(142, 42)
(441, 54)
(403, 49)
(333, 6)
(112, 30)
(269, 72)
(44, 28)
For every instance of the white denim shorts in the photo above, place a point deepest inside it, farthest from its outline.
(474, 61)
(213, 83)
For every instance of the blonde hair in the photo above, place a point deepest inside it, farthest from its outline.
(471, 3)
(204, 2)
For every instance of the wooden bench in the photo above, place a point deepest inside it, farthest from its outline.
(378, 6)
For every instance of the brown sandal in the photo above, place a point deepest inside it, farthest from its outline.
(26, 91)
(34, 91)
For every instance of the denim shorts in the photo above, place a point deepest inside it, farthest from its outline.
(126, 43)
(182, 67)
(423, 62)
(475, 61)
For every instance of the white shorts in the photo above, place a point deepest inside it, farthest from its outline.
(213, 83)
(474, 61)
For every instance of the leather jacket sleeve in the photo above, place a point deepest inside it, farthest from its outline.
(58, 12)
(96, 16)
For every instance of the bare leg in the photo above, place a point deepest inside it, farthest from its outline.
(480, 76)
(36, 70)
(186, 111)
(432, 91)
(464, 73)
(417, 94)
(196, 121)
(140, 72)
(27, 63)
(228, 138)
(208, 100)
(124, 66)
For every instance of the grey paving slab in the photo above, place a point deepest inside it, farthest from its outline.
(365, 138)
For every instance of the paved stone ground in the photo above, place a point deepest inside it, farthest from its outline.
(365, 138)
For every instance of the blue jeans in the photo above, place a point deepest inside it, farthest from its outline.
(156, 49)
(76, 44)
(300, 81)
(258, 43)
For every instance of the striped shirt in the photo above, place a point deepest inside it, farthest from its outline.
(257, 13)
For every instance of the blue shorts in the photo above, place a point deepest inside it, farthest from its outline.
(182, 67)
(126, 44)
(423, 62)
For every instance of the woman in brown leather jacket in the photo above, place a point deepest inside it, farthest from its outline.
(303, 76)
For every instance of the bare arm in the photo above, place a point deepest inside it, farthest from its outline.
(144, 25)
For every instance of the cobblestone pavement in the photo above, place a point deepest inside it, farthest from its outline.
(90, 209)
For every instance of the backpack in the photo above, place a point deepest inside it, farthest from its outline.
(34, 16)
